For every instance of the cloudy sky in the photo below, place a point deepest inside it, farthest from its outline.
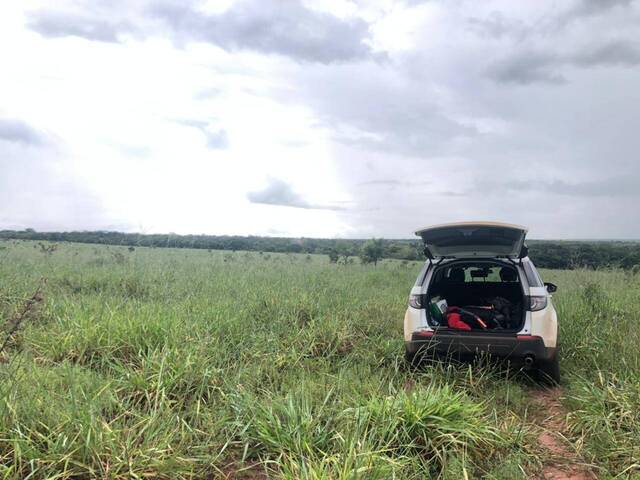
(347, 118)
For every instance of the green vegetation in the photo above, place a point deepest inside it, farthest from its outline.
(546, 254)
(178, 363)
(372, 251)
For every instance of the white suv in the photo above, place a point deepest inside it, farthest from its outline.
(479, 292)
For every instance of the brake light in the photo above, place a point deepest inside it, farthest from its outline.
(537, 302)
(415, 301)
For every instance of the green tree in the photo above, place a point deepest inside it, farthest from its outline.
(372, 251)
(344, 250)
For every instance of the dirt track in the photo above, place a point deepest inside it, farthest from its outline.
(563, 462)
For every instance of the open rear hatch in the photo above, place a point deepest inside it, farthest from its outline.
(473, 239)
(478, 295)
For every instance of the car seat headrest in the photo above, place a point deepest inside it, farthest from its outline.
(456, 275)
(508, 274)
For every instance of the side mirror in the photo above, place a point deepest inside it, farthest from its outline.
(524, 251)
(427, 253)
(551, 287)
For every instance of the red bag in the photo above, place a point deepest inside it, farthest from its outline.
(470, 319)
(454, 320)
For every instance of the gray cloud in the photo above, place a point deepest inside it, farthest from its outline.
(608, 187)
(267, 26)
(272, 27)
(524, 68)
(497, 25)
(12, 130)
(587, 8)
(53, 23)
(539, 47)
(278, 192)
(617, 186)
(615, 52)
(381, 111)
(527, 67)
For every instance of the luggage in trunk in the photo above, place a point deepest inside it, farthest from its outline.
(480, 303)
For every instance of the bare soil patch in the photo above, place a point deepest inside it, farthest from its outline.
(563, 462)
(237, 471)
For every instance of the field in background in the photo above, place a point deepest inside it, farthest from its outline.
(557, 254)
(187, 363)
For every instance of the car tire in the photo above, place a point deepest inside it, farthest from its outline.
(412, 358)
(549, 371)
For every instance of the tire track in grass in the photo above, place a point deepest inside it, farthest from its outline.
(563, 462)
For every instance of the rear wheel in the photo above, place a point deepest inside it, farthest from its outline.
(416, 359)
(549, 371)
(410, 357)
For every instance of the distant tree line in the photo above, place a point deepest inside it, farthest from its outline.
(567, 254)
(545, 253)
(400, 249)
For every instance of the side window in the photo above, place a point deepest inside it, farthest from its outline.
(422, 275)
(532, 275)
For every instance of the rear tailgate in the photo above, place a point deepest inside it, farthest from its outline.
(474, 239)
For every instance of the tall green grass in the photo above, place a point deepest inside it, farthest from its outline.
(170, 363)
(600, 335)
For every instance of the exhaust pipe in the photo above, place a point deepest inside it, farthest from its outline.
(528, 360)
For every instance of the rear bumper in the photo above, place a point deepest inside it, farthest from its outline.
(465, 343)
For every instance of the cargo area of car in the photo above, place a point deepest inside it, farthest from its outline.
(476, 296)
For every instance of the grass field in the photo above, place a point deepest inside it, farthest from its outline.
(164, 363)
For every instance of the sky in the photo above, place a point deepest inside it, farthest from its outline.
(323, 118)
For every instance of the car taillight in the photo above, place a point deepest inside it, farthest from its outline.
(537, 302)
(415, 301)
(424, 333)
(527, 337)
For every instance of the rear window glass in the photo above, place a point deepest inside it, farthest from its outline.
(477, 273)
(472, 240)
(447, 237)
(532, 275)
